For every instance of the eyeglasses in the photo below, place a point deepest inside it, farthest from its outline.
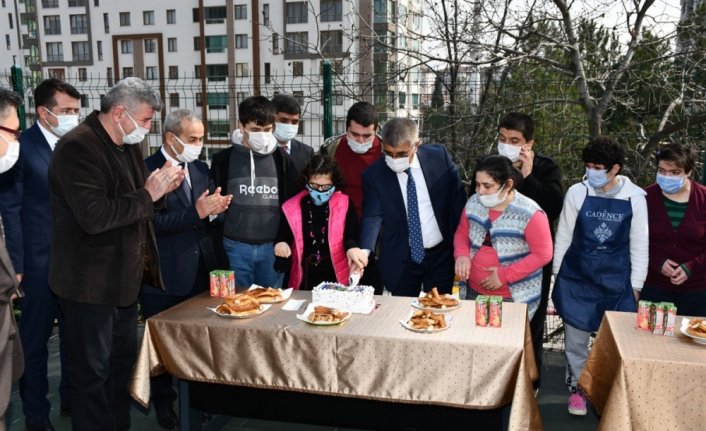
(13, 131)
(400, 155)
(320, 187)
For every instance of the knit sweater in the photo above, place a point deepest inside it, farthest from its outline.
(639, 239)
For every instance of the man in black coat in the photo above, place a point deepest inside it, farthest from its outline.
(288, 113)
(542, 183)
(103, 247)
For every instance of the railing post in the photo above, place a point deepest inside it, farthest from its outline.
(328, 100)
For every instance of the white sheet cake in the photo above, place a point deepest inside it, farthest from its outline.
(358, 299)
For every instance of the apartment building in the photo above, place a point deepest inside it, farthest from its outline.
(208, 55)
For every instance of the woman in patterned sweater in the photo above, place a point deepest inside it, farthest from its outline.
(503, 238)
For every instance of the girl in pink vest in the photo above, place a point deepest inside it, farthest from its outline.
(318, 229)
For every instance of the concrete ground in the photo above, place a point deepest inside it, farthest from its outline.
(552, 403)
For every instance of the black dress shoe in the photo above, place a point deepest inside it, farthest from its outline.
(38, 425)
(166, 416)
(65, 410)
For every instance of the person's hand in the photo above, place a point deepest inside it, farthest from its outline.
(678, 276)
(357, 257)
(668, 268)
(527, 159)
(637, 295)
(282, 249)
(491, 282)
(164, 180)
(355, 269)
(212, 204)
(19, 277)
(462, 268)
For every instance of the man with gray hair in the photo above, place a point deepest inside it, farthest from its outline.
(414, 196)
(103, 246)
(183, 231)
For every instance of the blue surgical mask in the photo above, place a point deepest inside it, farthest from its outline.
(597, 178)
(320, 198)
(671, 184)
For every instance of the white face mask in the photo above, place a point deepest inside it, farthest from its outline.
(512, 152)
(490, 201)
(137, 135)
(285, 132)
(261, 142)
(397, 165)
(66, 123)
(11, 155)
(358, 147)
(189, 153)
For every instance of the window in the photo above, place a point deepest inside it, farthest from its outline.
(331, 10)
(79, 24)
(82, 75)
(96, 3)
(9, 17)
(148, 17)
(241, 95)
(219, 128)
(109, 74)
(55, 51)
(380, 11)
(296, 42)
(197, 71)
(268, 73)
(77, 3)
(52, 24)
(241, 70)
(198, 97)
(216, 43)
(173, 100)
(214, 14)
(332, 42)
(99, 50)
(151, 72)
(126, 46)
(415, 101)
(275, 43)
(300, 130)
(47, 4)
(84, 101)
(128, 72)
(81, 51)
(216, 72)
(266, 14)
(124, 19)
(197, 43)
(401, 100)
(297, 12)
(56, 73)
(173, 72)
(171, 16)
(299, 95)
(106, 23)
(297, 68)
(336, 66)
(241, 40)
(217, 100)
(172, 44)
(241, 11)
(150, 45)
(337, 99)
(8, 42)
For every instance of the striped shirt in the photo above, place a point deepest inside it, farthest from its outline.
(675, 211)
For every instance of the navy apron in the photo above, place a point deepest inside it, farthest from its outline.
(595, 273)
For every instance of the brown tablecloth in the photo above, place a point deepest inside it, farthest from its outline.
(369, 356)
(640, 381)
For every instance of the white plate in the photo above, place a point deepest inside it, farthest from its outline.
(684, 325)
(310, 309)
(416, 304)
(425, 331)
(263, 308)
(286, 293)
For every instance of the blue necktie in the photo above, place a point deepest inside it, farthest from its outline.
(415, 227)
(185, 185)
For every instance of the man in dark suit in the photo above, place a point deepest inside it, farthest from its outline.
(103, 246)
(24, 203)
(10, 346)
(184, 241)
(288, 112)
(414, 195)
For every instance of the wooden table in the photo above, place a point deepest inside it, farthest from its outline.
(640, 381)
(369, 357)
